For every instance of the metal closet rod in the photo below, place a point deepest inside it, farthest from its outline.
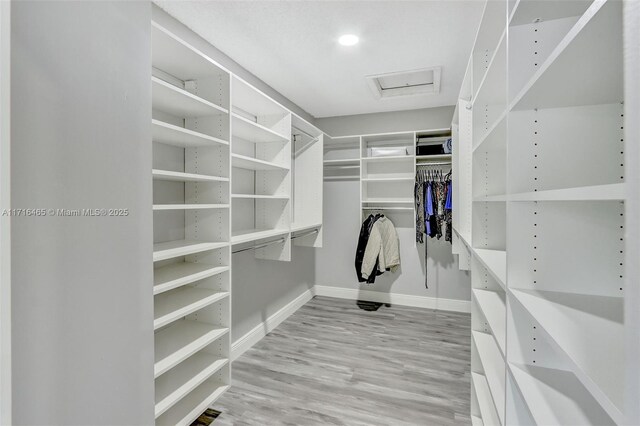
(434, 163)
(315, 231)
(267, 244)
(303, 132)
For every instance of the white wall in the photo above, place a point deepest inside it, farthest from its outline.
(80, 138)
(342, 220)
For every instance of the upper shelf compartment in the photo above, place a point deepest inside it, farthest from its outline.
(254, 106)
(178, 102)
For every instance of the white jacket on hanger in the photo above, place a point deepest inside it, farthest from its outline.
(382, 245)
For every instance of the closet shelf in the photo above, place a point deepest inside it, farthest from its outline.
(556, 397)
(178, 58)
(249, 163)
(168, 98)
(254, 132)
(297, 227)
(525, 12)
(485, 400)
(495, 137)
(342, 162)
(388, 179)
(169, 134)
(182, 339)
(185, 177)
(408, 209)
(160, 207)
(437, 157)
(170, 249)
(494, 310)
(259, 197)
(476, 421)
(490, 199)
(176, 275)
(192, 405)
(494, 368)
(248, 235)
(570, 76)
(588, 330)
(496, 263)
(252, 101)
(492, 82)
(177, 383)
(388, 201)
(611, 192)
(389, 158)
(178, 303)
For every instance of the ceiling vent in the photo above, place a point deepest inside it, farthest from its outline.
(405, 83)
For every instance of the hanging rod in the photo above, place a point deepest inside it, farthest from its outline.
(315, 231)
(281, 240)
(434, 163)
(305, 133)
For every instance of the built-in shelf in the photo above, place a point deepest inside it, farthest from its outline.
(476, 421)
(525, 12)
(406, 209)
(178, 102)
(248, 235)
(586, 64)
(556, 397)
(494, 310)
(485, 400)
(259, 197)
(185, 177)
(182, 339)
(611, 192)
(174, 385)
(435, 157)
(171, 249)
(342, 162)
(161, 207)
(184, 412)
(390, 179)
(388, 201)
(494, 368)
(169, 134)
(254, 132)
(495, 261)
(389, 158)
(249, 163)
(297, 227)
(495, 137)
(176, 275)
(175, 304)
(589, 330)
(491, 198)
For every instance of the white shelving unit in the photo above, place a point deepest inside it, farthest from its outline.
(192, 238)
(539, 175)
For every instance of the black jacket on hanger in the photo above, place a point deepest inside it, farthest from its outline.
(363, 239)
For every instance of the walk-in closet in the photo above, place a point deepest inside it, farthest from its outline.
(420, 213)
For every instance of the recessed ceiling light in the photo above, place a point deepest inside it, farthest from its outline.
(348, 40)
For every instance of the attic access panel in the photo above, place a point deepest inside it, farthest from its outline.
(405, 83)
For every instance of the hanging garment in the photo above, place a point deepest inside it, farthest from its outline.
(418, 193)
(365, 230)
(382, 245)
(448, 214)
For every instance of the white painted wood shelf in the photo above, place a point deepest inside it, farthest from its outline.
(494, 310)
(342, 162)
(171, 249)
(177, 383)
(494, 367)
(161, 207)
(175, 304)
(485, 400)
(299, 227)
(254, 132)
(176, 275)
(390, 179)
(192, 405)
(248, 235)
(249, 163)
(610, 192)
(180, 103)
(182, 339)
(170, 134)
(260, 197)
(496, 263)
(389, 158)
(169, 175)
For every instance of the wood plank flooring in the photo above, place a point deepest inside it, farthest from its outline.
(332, 363)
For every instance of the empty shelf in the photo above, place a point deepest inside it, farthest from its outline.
(162, 251)
(495, 138)
(178, 102)
(298, 227)
(389, 158)
(179, 381)
(388, 201)
(179, 274)
(178, 303)
(196, 402)
(491, 198)
(244, 162)
(342, 162)
(611, 192)
(586, 66)
(494, 310)
(496, 263)
(260, 197)
(390, 179)
(485, 400)
(476, 421)
(254, 132)
(494, 369)
(159, 207)
(179, 136)
(185, 177)
(556, 397)
(590, 331)
(247, 235)
(176, 343)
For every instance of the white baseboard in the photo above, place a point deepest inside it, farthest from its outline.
(245, 343)
(394, 298)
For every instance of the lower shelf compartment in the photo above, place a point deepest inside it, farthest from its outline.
(175, 304)
(485, 401)
(192, 405)
(182, 273)
(176, 384)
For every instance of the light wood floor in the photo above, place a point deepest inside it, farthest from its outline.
(332, 363)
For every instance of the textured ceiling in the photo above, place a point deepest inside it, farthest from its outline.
(292, 46)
